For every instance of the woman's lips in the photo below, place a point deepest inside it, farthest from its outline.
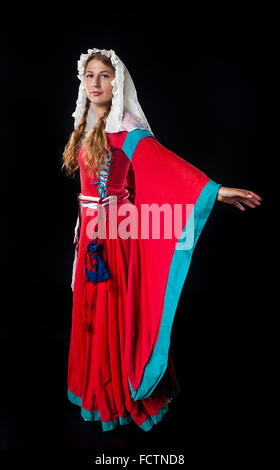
(96, 93)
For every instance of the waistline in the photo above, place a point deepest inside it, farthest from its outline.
(92, 202)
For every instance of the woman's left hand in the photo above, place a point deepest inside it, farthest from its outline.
(237, 197)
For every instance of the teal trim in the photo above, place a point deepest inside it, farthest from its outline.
(104, 178)
(132, 139)
(152, 420)
(179, 267)
(149, 422)
(73, 398)
(90, 415)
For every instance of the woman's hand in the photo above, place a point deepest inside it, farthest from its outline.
(237, 197)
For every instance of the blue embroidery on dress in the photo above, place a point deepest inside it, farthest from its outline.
(104, 177)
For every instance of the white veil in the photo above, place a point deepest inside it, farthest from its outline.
(126, 113)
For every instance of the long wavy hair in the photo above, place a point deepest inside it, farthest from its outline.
(96, 143)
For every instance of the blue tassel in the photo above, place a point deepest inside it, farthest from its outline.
(98, 271)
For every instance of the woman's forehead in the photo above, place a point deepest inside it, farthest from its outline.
(98, 65)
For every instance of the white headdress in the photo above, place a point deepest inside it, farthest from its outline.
(126, 113)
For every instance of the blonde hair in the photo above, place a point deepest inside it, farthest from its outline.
(96, 143)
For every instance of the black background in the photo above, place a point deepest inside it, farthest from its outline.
(203, 81)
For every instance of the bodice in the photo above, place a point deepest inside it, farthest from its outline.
(113, 175)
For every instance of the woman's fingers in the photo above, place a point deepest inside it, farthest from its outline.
(239, 197)
(251, 194)
(250, 199)
(248, 203)
(239, 206)
(255, 201)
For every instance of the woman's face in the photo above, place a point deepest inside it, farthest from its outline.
(98, 78)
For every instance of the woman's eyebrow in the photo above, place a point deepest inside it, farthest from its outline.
(101, 71)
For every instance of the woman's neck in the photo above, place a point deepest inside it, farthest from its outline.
(99, 111)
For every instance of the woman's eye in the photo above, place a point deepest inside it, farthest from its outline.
(104, 75)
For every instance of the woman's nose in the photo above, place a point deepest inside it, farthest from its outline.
(96, 82)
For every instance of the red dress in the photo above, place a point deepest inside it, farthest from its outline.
(120, 367)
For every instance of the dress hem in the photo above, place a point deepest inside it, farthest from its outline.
(147, 425)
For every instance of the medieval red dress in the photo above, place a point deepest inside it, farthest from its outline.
(120, 368)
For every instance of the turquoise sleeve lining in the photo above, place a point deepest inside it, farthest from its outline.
(179, 267)
(132, 139)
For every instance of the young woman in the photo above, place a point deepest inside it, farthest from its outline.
(127, 278)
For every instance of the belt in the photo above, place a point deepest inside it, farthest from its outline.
(93, 202)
